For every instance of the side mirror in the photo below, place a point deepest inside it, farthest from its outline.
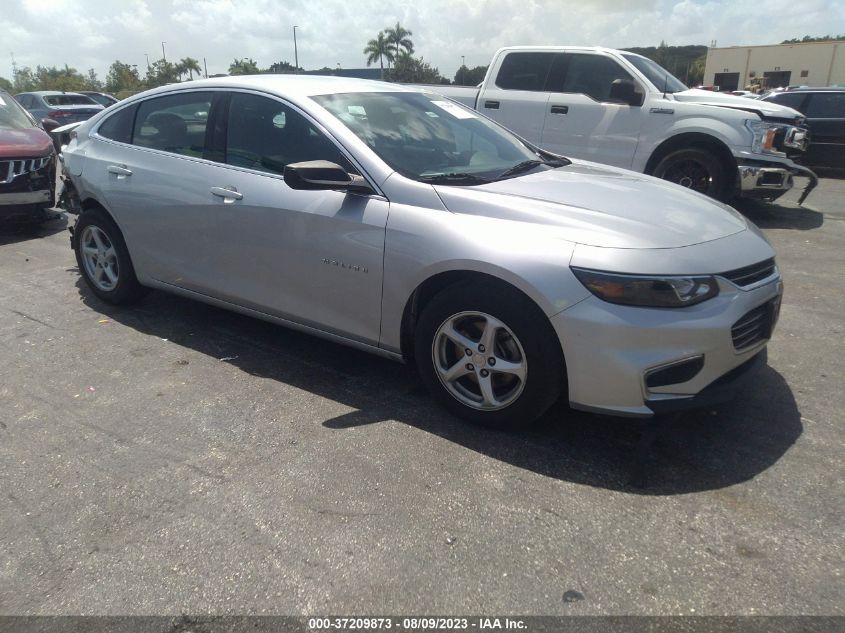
(624, 91)
(49, 124)
(315, 175)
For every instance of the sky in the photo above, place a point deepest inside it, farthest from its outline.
(93, 33)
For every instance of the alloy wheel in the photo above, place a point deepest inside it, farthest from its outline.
(99, 258)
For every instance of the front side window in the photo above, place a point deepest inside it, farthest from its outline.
(265, 134)
(826, 105)
(428, 138)
(524, 71)
(175, 123)
(591, 75)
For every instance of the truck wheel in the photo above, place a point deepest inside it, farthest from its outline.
(103, 259)
(488, 355)
(696, 169)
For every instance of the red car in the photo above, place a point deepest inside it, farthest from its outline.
(27, 165)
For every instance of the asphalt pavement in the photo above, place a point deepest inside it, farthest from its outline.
(175, 458)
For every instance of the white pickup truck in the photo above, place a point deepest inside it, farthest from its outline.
(622, 109)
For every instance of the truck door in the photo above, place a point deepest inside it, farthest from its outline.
(515, 97)
(582, 118)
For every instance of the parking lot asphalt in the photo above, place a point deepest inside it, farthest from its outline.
(175, 458)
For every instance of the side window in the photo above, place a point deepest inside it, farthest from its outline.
(790, 100)
(266, 135)
(524, 71)
(826, 105)
(592, 75)
(175, 123)
(118, 127)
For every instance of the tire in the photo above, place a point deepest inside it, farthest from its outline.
(697, 169)
(103, 259)
(522, 337)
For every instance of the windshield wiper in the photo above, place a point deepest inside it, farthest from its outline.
(454, 178)
(530, 164)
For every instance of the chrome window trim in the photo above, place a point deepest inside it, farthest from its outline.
(94, 133)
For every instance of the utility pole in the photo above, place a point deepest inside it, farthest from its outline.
(163, 56)
(14, 67)
(204, 65)
(295, 53)
(148, 61)
(463, 69)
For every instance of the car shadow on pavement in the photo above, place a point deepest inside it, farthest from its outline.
(771, 215)
(12, 232)
(705, 450)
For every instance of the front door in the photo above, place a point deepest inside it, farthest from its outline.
(580, 119)
(314, 257)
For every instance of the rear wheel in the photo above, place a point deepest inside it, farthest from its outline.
(104, 260)
(696, 169)
(489, 355)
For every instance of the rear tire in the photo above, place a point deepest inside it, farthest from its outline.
(103, 259)
(465, 326)
(698, 169)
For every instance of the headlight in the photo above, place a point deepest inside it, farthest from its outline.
(763, 136)
(652, 291)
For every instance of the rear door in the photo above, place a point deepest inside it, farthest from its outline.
(515, 98)
(150, 163)
(580, 119)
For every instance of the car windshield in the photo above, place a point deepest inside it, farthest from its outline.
(103, 100)
(429, 138)
(63, 100)
(660, 78)
(12, 115)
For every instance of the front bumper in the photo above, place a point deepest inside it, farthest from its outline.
(611, 350)
(769, 181)
(26, 187)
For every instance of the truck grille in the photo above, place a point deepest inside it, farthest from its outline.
(750, 275)
(755, 326)
(11, 169)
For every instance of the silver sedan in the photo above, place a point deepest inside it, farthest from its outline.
(401, 223)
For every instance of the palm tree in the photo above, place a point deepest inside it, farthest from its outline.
(189, 66)
(379, 49)
(399, 38)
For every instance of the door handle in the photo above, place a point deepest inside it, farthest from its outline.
(493, 105)
(560, 109)
(229, 194)
(119, 170)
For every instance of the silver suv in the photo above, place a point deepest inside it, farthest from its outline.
(399, 222)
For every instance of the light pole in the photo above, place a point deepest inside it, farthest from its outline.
(463, 71)
(163, 56)
(148, 61)
(295, 53)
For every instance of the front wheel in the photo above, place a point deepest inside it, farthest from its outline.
(489, 355)
(696, 169)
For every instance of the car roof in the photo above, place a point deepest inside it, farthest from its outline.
(813, 89)
(48, 93)
(291, 85)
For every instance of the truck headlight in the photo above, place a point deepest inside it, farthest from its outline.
(763, 136)
(650, 291)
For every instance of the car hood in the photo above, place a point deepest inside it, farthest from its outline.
(598, 205)
(762, 108)
(30, 142)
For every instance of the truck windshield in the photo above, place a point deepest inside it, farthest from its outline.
(659, 77)
(429, 138)
(12, 116)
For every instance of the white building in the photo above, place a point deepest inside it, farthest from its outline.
(775, 65)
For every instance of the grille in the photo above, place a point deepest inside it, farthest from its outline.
(755, 326)
(749, 275)
(11, 169)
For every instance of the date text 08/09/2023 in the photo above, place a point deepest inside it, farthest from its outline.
(414, 623)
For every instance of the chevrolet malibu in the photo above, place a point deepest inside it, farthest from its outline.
(398, 222)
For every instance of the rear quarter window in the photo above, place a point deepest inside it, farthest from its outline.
(118, 127)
